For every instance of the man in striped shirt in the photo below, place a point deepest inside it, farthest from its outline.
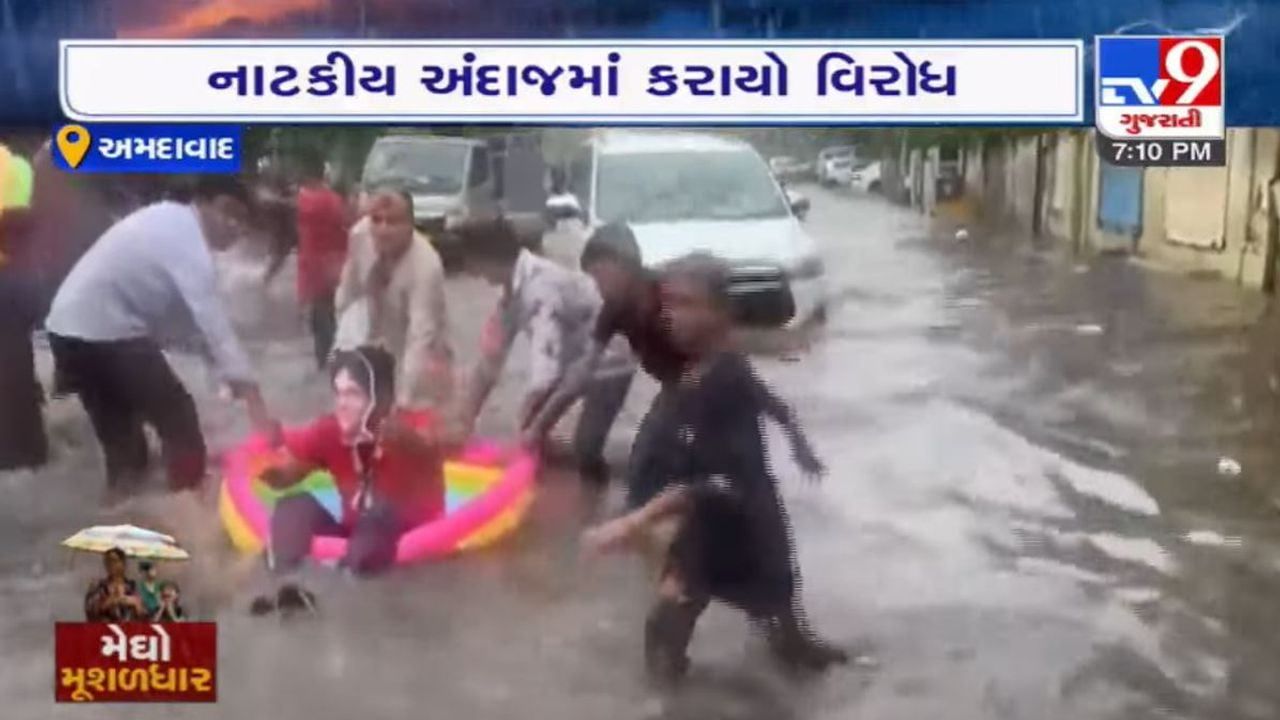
(557, 308)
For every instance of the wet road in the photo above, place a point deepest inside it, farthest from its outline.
(1024, 519)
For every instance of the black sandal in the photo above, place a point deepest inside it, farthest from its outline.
(262, 605)
(293, 598)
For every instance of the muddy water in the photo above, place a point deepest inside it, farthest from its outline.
(1024, 519)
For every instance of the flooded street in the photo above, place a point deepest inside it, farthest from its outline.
(1025, 517)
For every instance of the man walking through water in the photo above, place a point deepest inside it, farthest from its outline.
(150, 281)
(392, 296)
(322, 248)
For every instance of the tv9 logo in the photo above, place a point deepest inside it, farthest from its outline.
(1160, 87)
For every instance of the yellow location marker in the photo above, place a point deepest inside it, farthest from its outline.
(73, 143)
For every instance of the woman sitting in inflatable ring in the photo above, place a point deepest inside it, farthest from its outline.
(387, 464)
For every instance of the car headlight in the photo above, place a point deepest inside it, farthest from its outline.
(807, 269)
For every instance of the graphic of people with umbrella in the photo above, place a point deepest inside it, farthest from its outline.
(117, 597)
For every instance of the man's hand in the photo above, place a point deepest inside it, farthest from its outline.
(609, 536)
(530, 407)
(259, 417)
(808, 461)
(531, 438)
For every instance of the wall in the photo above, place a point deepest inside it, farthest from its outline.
(1221, 221)
(1243, 220)
(1066, 185)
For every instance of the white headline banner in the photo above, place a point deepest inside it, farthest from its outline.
(623, 81)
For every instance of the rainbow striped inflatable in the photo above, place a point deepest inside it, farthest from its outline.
(487, 493)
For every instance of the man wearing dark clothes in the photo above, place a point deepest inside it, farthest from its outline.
(633, 309)
(733, 541)
(148, 282)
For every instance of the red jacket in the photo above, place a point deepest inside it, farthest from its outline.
(413, 486)
(322, 241)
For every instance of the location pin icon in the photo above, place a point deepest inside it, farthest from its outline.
(73, 143)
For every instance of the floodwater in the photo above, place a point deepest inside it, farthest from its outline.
(1024, 518)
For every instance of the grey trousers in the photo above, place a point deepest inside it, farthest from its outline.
(297, 520)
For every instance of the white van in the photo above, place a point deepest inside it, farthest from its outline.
(682, 193)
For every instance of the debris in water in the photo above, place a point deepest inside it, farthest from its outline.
(1229, 467)
(1209, 538)
(1080, 269)
(962, 235)
(1089, 329)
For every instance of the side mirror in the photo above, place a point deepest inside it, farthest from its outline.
(799, 204)
(562, 207)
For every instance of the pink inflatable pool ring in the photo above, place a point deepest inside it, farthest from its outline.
(487, 493)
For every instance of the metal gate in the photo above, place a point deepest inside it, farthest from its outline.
(1120, 200)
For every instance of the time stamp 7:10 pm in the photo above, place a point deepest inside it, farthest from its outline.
(1162, 152)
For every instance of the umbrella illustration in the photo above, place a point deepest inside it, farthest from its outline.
(134, 541)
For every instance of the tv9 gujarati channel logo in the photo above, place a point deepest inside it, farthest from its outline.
(1160, 87)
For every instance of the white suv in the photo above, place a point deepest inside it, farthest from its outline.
(682, 193)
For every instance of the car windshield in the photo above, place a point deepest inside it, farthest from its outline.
(837, 153)
(436, 168)
(667, 187)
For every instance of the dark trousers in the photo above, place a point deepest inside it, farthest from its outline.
(23, 443)
(670, 624)
(122, 386)
(649, 467)
(324, 325)
(601, 403)
(297, 520)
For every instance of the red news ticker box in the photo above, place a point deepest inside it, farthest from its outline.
(136, 662)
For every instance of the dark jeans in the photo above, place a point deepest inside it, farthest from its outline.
(601, 403)
(122, 386)
(649, 467)
(23, 443)
(297, 520)
(324, 324)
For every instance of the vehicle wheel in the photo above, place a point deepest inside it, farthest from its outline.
(819, 316)
(874, 187)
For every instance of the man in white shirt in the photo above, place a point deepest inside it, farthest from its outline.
(150, 281)
(391, 295)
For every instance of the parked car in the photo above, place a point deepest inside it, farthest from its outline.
(790, 169)
(832, 163)
(684, 193)
(840, 172)
(867, 178)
